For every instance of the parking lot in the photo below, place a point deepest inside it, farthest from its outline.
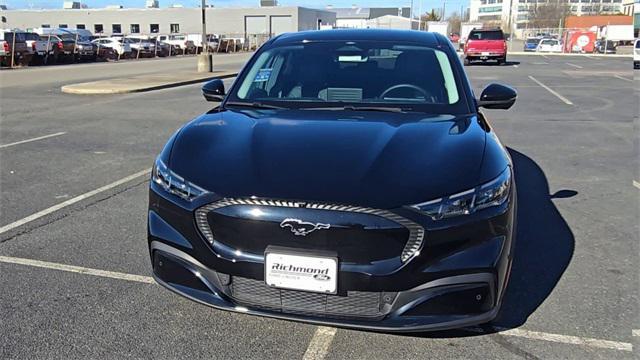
(74, 264)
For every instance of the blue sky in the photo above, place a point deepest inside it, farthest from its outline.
(451, 5)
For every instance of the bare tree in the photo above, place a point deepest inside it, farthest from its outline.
(549, 15)
(454, 22)
(430, 16)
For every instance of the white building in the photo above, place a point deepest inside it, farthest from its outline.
(515, 14)
(238, 22)
(359, 17)
(392, 22)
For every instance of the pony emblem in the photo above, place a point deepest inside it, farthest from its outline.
(302, 228)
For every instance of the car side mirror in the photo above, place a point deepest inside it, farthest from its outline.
(497, 96)
(213, 90)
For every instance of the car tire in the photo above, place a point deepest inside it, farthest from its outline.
(26, 60)
(501, 61)
(466, 61)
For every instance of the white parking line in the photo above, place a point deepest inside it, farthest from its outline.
(322, 338)
(575, 66)
(32, 139)
(622, 78)
(72, 201)
(636, 184)
(319, 344)
(564, 99)
(635, 332)
(77, 269)
(567, 339)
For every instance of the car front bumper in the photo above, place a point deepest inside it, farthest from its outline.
(459, 287)
(485, 55)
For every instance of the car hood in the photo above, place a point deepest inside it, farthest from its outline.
(374, 159)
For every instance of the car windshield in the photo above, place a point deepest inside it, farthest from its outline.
(532, 41)
(335, 73)
(486, 35)
(637, 44)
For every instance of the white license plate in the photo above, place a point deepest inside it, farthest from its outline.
(485, 54)
(301, 272)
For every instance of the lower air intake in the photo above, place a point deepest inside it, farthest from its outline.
(356, 304)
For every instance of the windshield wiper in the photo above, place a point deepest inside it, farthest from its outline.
(360, 108)
(255, 104)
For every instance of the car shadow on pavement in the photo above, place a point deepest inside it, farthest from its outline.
(493, 63)
(544, 244)
(543, 250)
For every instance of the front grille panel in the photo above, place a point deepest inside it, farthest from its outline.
(356, 304)
(383, 233)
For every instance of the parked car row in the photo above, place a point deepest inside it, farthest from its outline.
(551, 44)
(49, 46)
(543, 44)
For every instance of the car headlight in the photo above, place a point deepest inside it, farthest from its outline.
(493, 193)
(174, 183)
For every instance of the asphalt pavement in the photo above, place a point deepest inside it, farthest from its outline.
(74, 266)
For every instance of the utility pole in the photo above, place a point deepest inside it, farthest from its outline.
(419, 16)
(205, 45)
(509, 22)
(444, 8)
(411, 13)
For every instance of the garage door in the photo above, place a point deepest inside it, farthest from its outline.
(255, 25)
(281, 24)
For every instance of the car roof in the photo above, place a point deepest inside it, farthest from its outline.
(429, 39)
(486, 29)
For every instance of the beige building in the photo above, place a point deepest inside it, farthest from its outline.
(627, 7)
(232, 21)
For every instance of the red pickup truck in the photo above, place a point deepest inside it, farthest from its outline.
(485, 44)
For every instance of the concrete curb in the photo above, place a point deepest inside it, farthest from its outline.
(137, 84)
(562, 54)
(533, 53)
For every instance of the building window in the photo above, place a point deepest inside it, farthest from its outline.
(490, 9)
(63, 26)
(97, 28)
(45, 26)
(489, 17)
(135, 28)
(80, 26)
(116, 29)
(174, 28)
(154, 28)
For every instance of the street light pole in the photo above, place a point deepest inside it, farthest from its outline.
(444, 9)
(205, 45)
(205, 60)
(411, 13)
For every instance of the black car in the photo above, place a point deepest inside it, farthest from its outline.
(347, 178)
(605, 47)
